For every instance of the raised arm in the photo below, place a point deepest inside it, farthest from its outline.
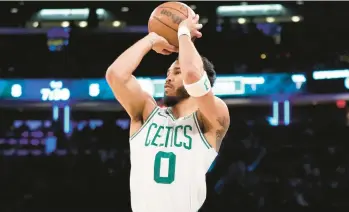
(137, 103)
(213, 113)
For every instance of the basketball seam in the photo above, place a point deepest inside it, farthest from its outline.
(156, 18)
(176, 10)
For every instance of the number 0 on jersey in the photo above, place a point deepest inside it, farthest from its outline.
(164, 157)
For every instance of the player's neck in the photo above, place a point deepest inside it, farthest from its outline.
(184, 108)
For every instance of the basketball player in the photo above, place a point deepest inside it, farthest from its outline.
(171, 148)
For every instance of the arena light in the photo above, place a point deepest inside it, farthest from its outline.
(287, 112)
(80, 14)
(64, 12)
(35, 24)
(94, 90)
(346, 83)
(100, 12)
(251, 10)
(253, 80)
(341, 104)
(270, 19)
(299, 80)
(330, 74)
(124, 9)
(204, 20)
(65, 24)
(245, 8)
(226, 85)
(274, 120)
(50, 144)
(55, 113)
(295, 18)
(241, 20)
(16, 90)
(82, 24)
(66, 121)
(116, 23)
(14, 10)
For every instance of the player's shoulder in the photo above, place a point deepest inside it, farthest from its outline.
(222, 110)
(149, 109)
(221, 103)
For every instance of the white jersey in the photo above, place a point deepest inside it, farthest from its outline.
(169, 161)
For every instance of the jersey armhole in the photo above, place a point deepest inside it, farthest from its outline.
(151, 115)
(202, 136)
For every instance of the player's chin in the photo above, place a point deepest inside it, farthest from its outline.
(169, 92)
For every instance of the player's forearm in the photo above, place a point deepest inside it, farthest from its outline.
(123, 67)
(189, 60)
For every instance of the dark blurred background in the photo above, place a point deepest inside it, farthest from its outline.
(282, 69)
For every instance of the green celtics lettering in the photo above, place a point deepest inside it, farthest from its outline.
(169, 136)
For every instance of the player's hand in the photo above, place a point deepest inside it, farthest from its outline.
(160, 44)
(192, 23)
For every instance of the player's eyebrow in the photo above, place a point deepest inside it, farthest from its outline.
(174, 68)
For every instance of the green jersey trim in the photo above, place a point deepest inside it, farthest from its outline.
(155, 110)
(171, 114)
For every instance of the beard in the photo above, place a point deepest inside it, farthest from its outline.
(181, 94)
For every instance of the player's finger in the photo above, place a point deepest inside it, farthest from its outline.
(198, 26)
(197, 34)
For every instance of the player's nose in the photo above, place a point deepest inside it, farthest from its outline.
(168, 80)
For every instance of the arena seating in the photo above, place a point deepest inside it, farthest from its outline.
(260, 167)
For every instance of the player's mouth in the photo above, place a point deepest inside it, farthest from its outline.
(167, 86)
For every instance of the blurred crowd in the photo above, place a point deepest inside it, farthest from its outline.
(318, 42)
(259, 168)
(230, 52)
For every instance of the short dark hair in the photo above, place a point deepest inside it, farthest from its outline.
(209, 68)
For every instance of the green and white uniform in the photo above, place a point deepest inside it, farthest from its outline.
(169, 160)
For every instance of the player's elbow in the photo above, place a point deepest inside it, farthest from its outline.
(109, 75)
(113, 75)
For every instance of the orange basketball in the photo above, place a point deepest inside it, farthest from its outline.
(164, 20)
